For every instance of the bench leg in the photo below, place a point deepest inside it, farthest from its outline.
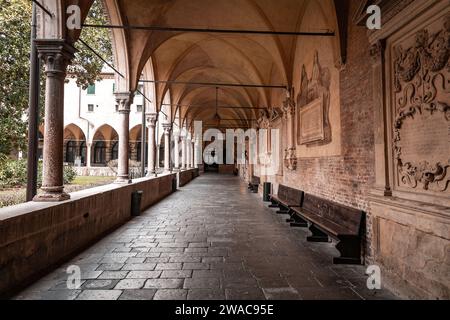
(317, 235)
(298, 222)
(273, 204)
(283, 210)
(350, 250)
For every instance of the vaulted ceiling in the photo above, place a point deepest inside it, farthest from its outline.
(240, 58)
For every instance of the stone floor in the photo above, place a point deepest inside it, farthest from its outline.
(212, 239)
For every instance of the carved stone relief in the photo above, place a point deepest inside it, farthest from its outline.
(422, 110)
(313, 103)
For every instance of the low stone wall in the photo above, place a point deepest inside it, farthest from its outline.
(186, 176)
(95, 171)
(226, 168)
(37, 236)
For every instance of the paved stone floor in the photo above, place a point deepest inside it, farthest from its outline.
(213, 239)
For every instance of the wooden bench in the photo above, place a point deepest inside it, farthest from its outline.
(254, 183)
(286, 198)
(327, 218)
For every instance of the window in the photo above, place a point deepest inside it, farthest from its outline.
(82, 153)
(99, 152)
(139, 108)
(90, 107)
(114, 87)
(117, 108)
(91, 89)
(70, 151)
(115, 151)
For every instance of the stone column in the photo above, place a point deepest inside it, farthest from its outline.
(88, 154)
(167, 127)
(124, 100)
(193, 153)
(176, 150)
(56, 55)
(183, 152)
(196, 152)
(151, 123)
(188, 153)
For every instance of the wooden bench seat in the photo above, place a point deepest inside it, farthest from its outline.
(329, 219)
(286, 198)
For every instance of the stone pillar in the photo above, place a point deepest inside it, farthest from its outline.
(124, 100)
(381, 130)
(176, 150)
(183, 152)
(56, 55)
(167, 127)
(290, 157)
(151, 123)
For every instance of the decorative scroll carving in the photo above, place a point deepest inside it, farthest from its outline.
(315, 92)
(421, 78)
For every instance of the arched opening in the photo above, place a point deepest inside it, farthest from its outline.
(74, 146)
(104, 146)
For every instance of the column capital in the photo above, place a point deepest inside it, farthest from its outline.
(56, 54)
(167, 127)
(151, 118)
(124, 100)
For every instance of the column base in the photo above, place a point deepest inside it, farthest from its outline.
(51, 197)
(176, 169)
(122, 180)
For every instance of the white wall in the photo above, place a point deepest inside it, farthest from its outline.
(76, 107)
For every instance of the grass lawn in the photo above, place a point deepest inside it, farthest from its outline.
(9, 197)
(83, 181)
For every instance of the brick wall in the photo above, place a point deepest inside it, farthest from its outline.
(347, 178)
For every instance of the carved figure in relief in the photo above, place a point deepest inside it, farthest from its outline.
(421, 80)
(313, 89)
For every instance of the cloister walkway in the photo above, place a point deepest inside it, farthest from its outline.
(210, 240)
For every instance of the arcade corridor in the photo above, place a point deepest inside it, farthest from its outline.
(212, 239)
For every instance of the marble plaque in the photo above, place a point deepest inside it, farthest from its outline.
(312, 122)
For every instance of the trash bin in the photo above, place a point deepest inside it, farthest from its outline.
(136, 198)
(267, 188)
(175, 183)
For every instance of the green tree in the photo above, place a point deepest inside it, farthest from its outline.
(15, 28)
